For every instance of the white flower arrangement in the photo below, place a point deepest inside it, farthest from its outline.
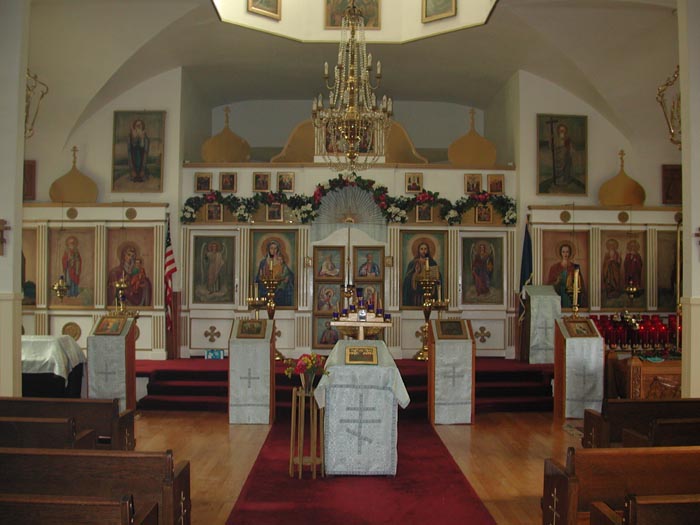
(188, 213)
(242, 214)
(304, 214)
(453, 217)
(511, 217)
(396, 214)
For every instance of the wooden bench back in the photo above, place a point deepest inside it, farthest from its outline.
(22, 509)
(148, 476)
(609, 474)
(637, 414)
(46, 432)
(97, 414)
(679, 509)
(675, 432)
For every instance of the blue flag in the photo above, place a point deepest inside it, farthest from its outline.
(525, 267)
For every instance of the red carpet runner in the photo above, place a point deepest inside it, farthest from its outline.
(428, 488)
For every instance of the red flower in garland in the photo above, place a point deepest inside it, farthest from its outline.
(424, 197)
(210, 197)
(482, 197)
(318, 193)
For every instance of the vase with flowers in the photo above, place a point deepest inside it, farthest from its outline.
(308, 366)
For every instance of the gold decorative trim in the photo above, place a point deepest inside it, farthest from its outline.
(565, 216)
(131, 214)
(212, 333)
(72, 213)
(623, 217)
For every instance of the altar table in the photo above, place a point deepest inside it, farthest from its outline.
(361, 412)
(44, 356)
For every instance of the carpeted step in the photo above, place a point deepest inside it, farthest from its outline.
(205, 403)
(188, 388)
(514, 404)
(188, 375)
(512, 388)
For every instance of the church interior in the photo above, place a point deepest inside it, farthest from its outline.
(500, 180)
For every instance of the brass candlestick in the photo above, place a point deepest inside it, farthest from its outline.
(270, 285)
(574, 291)
(119, 296)
(349, 294)
(256, 303)
(427, 284)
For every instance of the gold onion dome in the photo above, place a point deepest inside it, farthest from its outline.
(621, 190)
(226, 146)
(472, 150)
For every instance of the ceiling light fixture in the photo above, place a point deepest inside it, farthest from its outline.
(350, 132)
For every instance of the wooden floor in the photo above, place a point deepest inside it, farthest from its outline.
(501, 454)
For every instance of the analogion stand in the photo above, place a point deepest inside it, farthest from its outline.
(300, 400)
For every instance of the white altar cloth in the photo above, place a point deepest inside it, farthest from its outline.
(361, 403)
(249, 378)
(585, 362)
(545, 308)
(454, 376)
(50, 354)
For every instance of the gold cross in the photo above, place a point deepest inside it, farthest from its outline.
(227, 111)
(213, 334)
(74, 149)
(621, 154)
(483, 334)
(555, 514)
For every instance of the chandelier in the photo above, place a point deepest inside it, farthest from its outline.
(672, 114)
(350, 132)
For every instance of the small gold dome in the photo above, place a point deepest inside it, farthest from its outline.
(622, 190)
(226, 146)
(472, 150)
(74, 186)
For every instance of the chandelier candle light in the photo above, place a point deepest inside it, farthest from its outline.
(351, 130)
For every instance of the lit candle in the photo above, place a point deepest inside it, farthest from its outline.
(379, 69)
(427, 265)
(325, 69)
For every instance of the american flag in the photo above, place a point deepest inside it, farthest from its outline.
(169, 269)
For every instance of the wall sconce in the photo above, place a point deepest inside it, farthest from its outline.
(672, 114)
(35, 92)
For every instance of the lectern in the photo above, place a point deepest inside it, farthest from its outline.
(111, 350)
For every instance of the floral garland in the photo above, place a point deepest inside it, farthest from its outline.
(304, 209)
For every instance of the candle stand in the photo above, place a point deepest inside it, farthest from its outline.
(427, 284)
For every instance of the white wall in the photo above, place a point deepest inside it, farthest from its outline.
(196, 120)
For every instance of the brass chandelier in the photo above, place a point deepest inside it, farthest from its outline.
(350, 132)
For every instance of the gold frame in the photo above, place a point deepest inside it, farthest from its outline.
(495, 177)
(327, 16)
(266, 175)
(219, 215)
(202, 176)
(477, 219)
(423, 207)
(261, 328)
(234, 176)
(587, 327)
(425, 18)
(106, 322)
(277, 15)
(291, 178)
(408, 176)
(472, 177)
(270, 218)
(361, 355)
(445, 334)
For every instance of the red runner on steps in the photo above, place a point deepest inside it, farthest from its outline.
(428, 488)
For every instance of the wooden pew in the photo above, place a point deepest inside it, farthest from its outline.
(114, 430)
(604, 429)
(665, 432)
(28, 509)
(45, 432)
(151, 477)
(678, 509)
(610, 474)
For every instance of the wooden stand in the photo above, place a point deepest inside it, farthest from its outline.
(297, 459)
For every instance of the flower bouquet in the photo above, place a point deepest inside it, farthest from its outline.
(307, 366)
